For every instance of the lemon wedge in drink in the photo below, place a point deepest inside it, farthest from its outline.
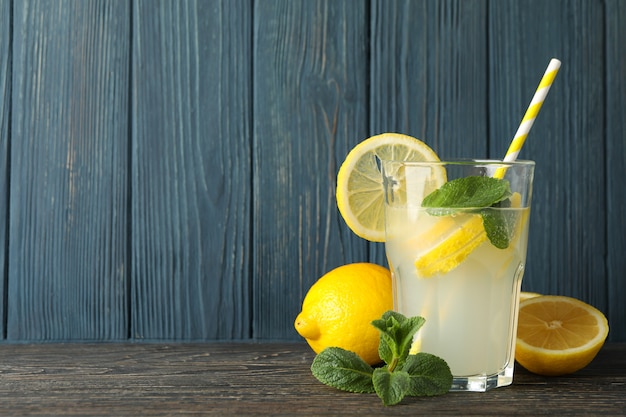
(360, 191)
(462, 239)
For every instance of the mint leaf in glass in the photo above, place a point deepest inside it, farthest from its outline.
(499, 224)
(342, 369)
(467, 192)
(476, 193)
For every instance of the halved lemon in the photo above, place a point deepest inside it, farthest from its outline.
(558, 335)
(525, 295)
(360, 192)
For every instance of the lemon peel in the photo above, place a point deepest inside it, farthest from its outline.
(525, 295)
(339, 308)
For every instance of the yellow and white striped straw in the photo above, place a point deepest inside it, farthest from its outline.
(531, 114)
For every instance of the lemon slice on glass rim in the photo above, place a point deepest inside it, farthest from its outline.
(360, 191)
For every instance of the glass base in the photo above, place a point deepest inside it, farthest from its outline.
(482, 383)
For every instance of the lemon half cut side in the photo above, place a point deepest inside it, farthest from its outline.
(558, 335)
(360, 191)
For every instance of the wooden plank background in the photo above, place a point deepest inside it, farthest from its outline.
(614, 145)
(191, 170)
(67, 246)
(167, 169)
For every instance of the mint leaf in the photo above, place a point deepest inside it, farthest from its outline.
(388, 326)
(396, 336)
(342, 369)
(429, 375)
(391, 387)
(496, 228)
(476, 193)
(467, 192)
(500, 224)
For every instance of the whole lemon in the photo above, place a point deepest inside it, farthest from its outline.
(339, 308)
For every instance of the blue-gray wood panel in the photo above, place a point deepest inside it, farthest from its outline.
(5, 106)
(614, 145)
(310, 108)
(168, 168)
(568, 243)
(428, 76)
(191, 170)
(68, 266)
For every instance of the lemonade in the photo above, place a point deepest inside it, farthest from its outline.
(457, 304)
(446, 266)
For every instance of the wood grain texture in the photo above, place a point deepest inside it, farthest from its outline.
(191, 170)
(5, 107)
(68, 199)
(568, 240)
(428, 73)
(615, 84)
(168, 168)
(263, 379)
(428, 76)
(309, 109)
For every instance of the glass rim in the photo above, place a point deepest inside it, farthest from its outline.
(463, 161)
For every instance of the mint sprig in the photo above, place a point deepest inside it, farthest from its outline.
(476, 193)
(422, 374)
(396, 336)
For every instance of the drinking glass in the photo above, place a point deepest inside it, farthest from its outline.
(461, 267)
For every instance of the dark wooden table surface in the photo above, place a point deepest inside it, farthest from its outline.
(262, 379)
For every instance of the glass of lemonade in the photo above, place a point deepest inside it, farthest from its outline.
(457, 259)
